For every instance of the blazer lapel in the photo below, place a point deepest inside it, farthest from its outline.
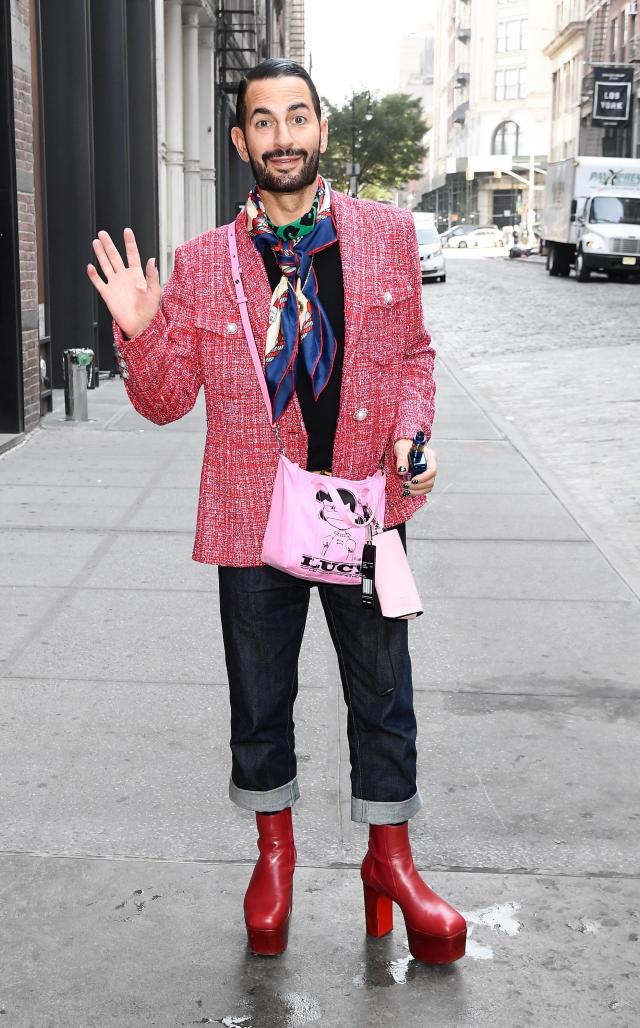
(354, 264)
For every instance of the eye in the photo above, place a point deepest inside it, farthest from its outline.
(263, 122)
(299, 119)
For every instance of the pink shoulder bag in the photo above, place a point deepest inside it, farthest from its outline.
(318, 524)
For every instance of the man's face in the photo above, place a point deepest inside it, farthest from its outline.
(282, 138)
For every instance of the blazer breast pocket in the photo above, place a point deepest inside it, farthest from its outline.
(227, 364)
(386, 315)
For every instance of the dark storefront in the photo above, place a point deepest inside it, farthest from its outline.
(100, 172)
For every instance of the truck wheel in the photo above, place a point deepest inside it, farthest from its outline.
(552, 260)
(582, 272)
(462, 245)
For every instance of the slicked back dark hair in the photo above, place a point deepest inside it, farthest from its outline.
(273, 68)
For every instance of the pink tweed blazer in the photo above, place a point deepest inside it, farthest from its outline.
(196, 339)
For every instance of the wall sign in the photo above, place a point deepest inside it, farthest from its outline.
(612, 95)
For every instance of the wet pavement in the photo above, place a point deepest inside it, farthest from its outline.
(123, 863)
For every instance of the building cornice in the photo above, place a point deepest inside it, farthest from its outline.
(573, 28)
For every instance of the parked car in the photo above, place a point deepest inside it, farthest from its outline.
(477, 238)
(456, 230)
(431, 257)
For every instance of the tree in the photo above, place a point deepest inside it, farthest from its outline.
(388, 143)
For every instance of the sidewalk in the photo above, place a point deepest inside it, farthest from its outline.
(123, 863)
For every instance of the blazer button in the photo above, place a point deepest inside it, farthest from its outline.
(388, 297)
(232, 328)
(361, 414)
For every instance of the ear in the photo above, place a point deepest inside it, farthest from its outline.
(238, 140)
(324, 134)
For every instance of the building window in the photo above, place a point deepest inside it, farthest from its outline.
(511, 83)
(623, 36)
(506, 139)
(511, 35)
(612, 46)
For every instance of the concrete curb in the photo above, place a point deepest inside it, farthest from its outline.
(614, 557)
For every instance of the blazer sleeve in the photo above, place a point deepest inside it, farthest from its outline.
(161, 365)
(417, 404)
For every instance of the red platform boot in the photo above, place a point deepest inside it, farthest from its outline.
(436, 932)
(268, 899)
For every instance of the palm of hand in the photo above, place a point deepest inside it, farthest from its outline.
(132, 296)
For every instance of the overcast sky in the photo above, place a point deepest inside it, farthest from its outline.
(353, 43)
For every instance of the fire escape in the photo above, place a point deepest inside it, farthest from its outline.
(597, 19)
(238, 43)
(462, 29)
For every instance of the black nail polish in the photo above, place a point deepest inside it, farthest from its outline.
(401, 470)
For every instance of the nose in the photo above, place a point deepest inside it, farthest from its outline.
(283, 139)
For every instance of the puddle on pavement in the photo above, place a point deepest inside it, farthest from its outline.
(267, 1009)
(501, 917)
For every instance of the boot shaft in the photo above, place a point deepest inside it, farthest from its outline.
(275, 835)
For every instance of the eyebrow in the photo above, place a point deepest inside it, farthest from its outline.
(291, 107)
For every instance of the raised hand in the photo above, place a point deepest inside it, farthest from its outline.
(131, 294)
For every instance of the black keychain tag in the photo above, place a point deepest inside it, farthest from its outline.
(368, 575)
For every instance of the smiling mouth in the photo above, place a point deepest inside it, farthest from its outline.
(284, 162)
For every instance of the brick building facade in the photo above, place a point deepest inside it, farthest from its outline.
(611, 40)
(20, 401)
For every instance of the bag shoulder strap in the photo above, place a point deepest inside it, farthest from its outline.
(244, 317)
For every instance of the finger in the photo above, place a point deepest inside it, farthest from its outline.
(426, 476)
(103, 260)
(402, 449)
(418, 490)
(131, 248)
(111, 250)
(151, 273)
(95, 278)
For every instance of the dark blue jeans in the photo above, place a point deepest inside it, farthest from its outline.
(263, 613)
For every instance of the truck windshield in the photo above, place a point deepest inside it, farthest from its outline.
(616, 210)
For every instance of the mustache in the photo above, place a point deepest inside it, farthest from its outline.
(284, 153)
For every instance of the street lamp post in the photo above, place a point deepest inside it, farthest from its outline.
(354, 168)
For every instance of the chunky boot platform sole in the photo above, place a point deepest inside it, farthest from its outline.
(266, 943)
(269, 942)
(430, 949)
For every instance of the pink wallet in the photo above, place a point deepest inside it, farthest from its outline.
(395, 585)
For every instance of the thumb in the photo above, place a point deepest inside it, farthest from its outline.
(401, 449)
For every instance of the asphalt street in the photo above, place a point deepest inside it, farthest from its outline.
(123, 863)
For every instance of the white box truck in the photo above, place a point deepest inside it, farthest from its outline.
(591, 217)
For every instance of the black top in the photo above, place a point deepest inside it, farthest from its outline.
(321, 415)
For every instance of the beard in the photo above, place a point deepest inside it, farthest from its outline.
(282, 181)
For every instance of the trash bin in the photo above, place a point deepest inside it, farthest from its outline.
(76, 363)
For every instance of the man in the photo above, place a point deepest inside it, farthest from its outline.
(334, 292)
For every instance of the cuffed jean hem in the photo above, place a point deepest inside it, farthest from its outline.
(271, 799)
(373, 812)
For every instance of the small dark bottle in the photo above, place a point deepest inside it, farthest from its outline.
(417, 456)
